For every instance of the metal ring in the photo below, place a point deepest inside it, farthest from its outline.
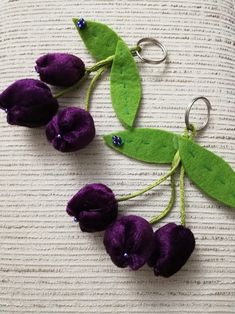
(187, 112)
(156, 43)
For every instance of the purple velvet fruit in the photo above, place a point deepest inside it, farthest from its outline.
(71, 129)
(94, 207)
(60, 69)
(173, 245)
(29, 103)
(128, 241)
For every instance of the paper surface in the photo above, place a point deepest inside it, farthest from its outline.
(47, 265)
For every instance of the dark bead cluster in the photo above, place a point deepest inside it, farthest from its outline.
(117, 141)
(81, 23)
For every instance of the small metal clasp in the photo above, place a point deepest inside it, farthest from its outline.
(155, 42)
(187, 113)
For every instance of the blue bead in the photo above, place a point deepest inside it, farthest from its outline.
(81, 23)
(126, 255)
(75, 219)
(117, 141)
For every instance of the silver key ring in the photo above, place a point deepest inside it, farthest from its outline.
(155, 42)
(187, 112)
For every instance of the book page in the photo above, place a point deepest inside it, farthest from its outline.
(47, 265)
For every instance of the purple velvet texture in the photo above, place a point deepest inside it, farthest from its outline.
(128, 241)
(173, 245)
(94, 206)
(71, 129)
(60, 69)
(29, 103)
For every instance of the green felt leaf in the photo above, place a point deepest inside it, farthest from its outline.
(125, 85)
(99, 39)
(149, 145)
(209, 172)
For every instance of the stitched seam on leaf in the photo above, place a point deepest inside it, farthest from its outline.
(220, 180)
(207, 168)
(144, 142)
(125, 92)
(191, 153)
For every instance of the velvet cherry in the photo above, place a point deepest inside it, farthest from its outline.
(94, 206)
(173, 245)
(29, 103)
(60, 69)
(129, 241)
(71, 129)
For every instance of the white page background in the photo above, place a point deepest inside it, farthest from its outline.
(47, 265)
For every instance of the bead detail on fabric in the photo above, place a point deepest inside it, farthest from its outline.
(81, 23)
(117, 141)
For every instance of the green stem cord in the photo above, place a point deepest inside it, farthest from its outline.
(91, 86)
(182, 200)
(182, 176)
(175, 165)
(106, 62)
(176, 162)
(170, 205)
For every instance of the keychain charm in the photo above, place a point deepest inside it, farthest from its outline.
(129, 240)
(30, 103)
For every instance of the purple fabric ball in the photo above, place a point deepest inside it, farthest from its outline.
(71, 129)
(129, 241)
(94, 206)
(173, 245)
(60, 69)
(28, 102)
